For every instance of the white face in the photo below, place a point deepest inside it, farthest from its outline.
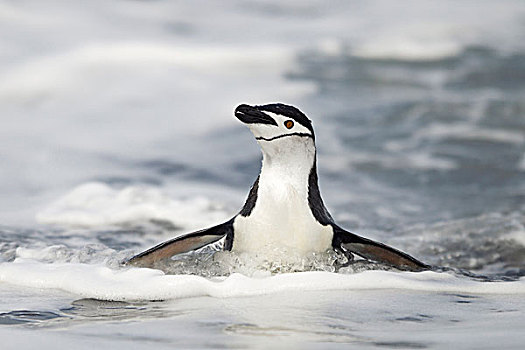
(285, 127)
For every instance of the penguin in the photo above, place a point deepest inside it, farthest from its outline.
(284, 207)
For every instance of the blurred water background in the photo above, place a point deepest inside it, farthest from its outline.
(117, 132)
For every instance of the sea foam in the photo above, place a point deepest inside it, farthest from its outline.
(97, 204)
(128, 284)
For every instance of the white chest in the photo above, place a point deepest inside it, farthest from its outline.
(281, 218)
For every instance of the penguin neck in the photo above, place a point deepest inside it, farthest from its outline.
(284, 209)
(288, 162)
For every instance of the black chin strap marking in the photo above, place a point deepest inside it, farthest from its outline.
(301, 134)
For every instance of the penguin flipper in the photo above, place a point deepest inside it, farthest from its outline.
(181, 244)
(376, 251)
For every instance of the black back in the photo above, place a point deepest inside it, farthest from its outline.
(250, 201)
(315, 202)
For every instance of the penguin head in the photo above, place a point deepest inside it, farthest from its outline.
(274, 123)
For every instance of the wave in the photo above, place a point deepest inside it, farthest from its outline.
(130, 284)
(97, 204)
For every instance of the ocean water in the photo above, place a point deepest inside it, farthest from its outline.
(117, 132)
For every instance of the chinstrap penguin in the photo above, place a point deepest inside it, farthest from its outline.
(284, 207)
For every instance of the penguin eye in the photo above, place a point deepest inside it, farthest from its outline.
(288, 124)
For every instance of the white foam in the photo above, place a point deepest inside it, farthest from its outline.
(421, 30)
(439, 131)
(63, 72)
(408, 49)
(101, 282)
(97, 204)
(403, 160)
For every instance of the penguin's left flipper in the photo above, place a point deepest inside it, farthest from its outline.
(181, 244)
(376, 251)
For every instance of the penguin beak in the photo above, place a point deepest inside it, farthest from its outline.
(251, 115)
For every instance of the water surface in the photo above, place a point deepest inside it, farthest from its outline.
(118, 132)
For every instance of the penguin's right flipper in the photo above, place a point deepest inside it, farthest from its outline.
(181, 244)
(376, 251)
